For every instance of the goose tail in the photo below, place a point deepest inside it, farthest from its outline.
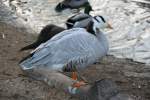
(31, 46)
(25, 62)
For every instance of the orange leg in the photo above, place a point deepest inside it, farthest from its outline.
(74, 75)
(77, 84)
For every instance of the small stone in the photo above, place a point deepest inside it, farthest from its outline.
(3, 36)
(139, 86)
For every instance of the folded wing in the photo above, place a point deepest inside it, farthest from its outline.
(70, 50)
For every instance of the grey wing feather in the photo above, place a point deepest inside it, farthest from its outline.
(55, 38)
(80, 48)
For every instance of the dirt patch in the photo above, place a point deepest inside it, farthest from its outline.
(131, 77)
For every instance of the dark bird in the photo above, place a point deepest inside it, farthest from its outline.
(46, 33)
(74, 4)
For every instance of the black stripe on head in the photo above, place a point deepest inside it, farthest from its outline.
(96, 19)
(102, 18)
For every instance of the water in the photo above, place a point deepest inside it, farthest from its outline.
(130, 19)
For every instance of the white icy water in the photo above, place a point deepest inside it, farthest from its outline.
(130, 37)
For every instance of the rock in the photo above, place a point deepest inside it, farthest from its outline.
(105, 89)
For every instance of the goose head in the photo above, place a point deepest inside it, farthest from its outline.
(96, 24)
(100, 22)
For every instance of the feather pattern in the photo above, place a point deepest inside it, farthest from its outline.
(70, 50)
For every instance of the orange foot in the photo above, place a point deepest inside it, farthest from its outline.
(78, 84)
(74, 75)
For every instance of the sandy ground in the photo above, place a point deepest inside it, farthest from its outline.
(132, 77)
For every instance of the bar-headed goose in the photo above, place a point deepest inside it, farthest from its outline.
(71, 50)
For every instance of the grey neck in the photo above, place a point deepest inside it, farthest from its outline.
(100, 35)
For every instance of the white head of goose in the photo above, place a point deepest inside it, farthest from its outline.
(101, 22)
(74, 4)
(82, 20)
(70, 50)
(95, 24)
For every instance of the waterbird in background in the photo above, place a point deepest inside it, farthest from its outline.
(78, 20)
(71, 50)
(74, 4)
